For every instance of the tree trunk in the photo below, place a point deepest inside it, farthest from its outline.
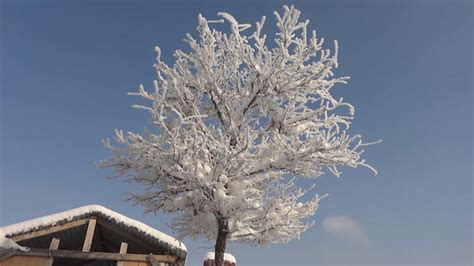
(221, 241)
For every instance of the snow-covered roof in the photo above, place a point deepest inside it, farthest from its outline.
(71, 215)
(6, 243)
(227, 256)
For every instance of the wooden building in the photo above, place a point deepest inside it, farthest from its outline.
(90, 235)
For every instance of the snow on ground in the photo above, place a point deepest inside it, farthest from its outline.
(227, 256)
(51, 220)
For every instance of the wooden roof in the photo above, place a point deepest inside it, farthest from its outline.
(95, 231)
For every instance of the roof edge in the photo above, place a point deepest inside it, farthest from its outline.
(69, 215)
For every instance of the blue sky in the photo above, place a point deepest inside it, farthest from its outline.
(66, 68)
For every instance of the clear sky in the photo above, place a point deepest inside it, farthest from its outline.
(66, 67)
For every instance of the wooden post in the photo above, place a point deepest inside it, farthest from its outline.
(152, 260)
(89, 235)
(123, 250)
(53, 246)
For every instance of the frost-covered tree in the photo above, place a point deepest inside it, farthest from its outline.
(236, 126)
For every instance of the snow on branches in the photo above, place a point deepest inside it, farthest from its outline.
(236, 124)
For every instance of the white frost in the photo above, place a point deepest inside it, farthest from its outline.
(51, 220)
(227, 257)
(234, 120)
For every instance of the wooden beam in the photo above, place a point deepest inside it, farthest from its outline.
(123, 250)
(89, 235)
(49, 230)
(5, 254)
(53, 246)
(93, 255)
